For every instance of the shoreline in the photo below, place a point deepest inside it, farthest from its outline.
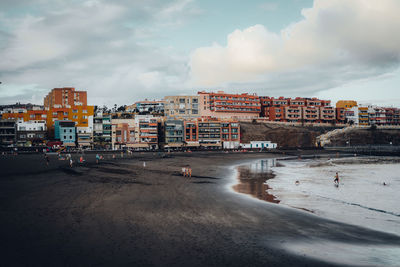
(121, 213)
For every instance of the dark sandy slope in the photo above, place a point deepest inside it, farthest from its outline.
(119, 213)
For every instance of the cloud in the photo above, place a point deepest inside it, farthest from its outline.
(337, 41)
(106, 48)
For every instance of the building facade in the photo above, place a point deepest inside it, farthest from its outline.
(223, 105)
(65, 131)
(31, 132)
(8, 132)
(181, 107)
(102, 130)
(65, 97)
(174, 133)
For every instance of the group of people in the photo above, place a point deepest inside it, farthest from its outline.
(187, 172)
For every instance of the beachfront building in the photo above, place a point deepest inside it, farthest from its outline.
(147, 131)
(181, 107)
(101, 130)
(66, 97)
(211, 132)
(65, 131)
(174, 133)
(31, 132)
(259, 145)
(122, 133)
(81, 115)
(226, 106)
(8, 132)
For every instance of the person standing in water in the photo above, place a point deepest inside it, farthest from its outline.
(336, 178)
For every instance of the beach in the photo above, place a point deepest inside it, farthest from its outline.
(124, 212)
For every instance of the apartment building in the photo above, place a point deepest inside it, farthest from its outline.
(363, 116)
(148, 132)
(65, 131)
(327, 114)
(101, 129)
(31, 132)
(181, 107)
(392, 116)
(123, 133)
(346, 104)
(81, 115)
(66, 97)
(8, 132)
(223, 105)
(290, 113)
(174, 133)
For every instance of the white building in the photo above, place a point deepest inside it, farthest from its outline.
(259, 145)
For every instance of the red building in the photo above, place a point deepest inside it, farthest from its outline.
(312, 110)
(65, 97)
(223, 105)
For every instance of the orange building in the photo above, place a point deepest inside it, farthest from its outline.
(81, 115)
(65, 98)
(346, 104)
(223, 105)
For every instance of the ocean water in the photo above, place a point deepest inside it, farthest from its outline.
(361, 198)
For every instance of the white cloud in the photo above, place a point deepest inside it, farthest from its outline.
(339, 40)
(91, 45)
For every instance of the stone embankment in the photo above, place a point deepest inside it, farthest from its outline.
(307, 136)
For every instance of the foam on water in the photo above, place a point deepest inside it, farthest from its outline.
(360, 199)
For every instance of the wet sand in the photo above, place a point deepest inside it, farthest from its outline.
(120, 213)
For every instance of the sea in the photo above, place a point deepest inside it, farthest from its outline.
(368, 195)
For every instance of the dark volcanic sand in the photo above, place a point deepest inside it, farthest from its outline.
(119, 213)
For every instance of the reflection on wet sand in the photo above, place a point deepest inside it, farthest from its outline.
(252, 180)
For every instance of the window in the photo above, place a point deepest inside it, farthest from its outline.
(195, 100)
(70, 137)
(44, 116)
(75, 117)
(75, 111)
(65, 113)
(65, 130)
(70, 130)
(54, 113)
(84, 116)
(65, 137)
(84, 111)
(182, 100)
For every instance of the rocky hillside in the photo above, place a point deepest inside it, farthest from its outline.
(362, 136)
(284, 135)
(306, 136)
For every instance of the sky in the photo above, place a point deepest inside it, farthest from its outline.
(124, 51)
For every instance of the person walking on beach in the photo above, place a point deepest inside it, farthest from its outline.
(336, 178)
(47, 159)
(190, 172)
(97, 158)
(70, 162)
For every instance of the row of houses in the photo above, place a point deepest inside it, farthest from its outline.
(282, 109)
(206, 119)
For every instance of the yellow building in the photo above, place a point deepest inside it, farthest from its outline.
(363, 118)
(81, 115)
(346, 104)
